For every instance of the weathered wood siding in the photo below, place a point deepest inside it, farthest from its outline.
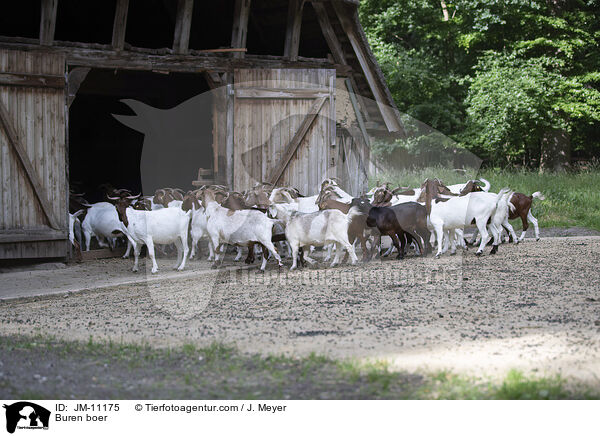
(263, 127)
(38, 116)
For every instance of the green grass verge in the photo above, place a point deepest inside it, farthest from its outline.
(572, 199)
(112, 370)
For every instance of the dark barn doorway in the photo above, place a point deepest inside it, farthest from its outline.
(161, 139)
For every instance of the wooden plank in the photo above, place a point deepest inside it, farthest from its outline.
(294, 25)
(239, 32)
(183, 23)
(32, 80)
(34, 249)
(32, 235)
(387, 112)
(307, 93)
(13, 140)
(296, 140)
(48, 21)
(120, 24)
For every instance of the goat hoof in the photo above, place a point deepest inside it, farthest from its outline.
(537, 239)
(453, 254)
(478, 253)
(260, 271)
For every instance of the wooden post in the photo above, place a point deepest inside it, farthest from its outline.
(292, 33)
(48, 21)
(183, 23)
(120, 24)
(239, 33)
(229, 139)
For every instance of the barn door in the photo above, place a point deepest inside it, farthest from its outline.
(33, 202)
(284, 127)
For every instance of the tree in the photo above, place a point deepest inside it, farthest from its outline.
(502, 77)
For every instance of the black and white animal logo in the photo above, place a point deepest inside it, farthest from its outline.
(26, 415)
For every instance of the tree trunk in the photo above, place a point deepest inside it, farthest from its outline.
(555, 151)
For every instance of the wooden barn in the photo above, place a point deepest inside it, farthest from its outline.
(294, 94)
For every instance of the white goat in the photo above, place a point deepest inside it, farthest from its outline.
(329, 226)
(102, 221)
(164, 226)
(237, 227)
(198, 224)
(456, 189)
(475, 208)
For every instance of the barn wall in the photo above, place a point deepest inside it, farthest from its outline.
(264, 127)
(38, 115)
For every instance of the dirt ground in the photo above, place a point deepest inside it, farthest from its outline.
(533, 307)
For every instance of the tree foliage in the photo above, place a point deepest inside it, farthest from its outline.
(494, 75)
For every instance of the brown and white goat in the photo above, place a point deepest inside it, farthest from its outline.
(522, 204)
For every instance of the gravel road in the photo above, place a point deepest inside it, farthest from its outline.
(533, 307)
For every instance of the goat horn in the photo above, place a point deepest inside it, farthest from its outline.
(113, 198)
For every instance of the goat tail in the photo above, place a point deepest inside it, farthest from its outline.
(539, 195)
(486, 184)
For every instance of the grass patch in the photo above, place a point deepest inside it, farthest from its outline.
(571, 198)
(111, 370)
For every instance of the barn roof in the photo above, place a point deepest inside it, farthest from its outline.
(183, 35)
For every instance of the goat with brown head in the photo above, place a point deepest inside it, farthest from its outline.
(122, 203)
(471, 186)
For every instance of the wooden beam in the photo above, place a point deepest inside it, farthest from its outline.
(32, 236)
(294, 25)
(387, 112)
(13, 140)
(48, 21)
(183, 24)
(289, 93)
(104, 56)
(213, 79)
(293, 145)
(223, 50)
(33, 80)
(120, 24)
(329, 34)
(239, 32)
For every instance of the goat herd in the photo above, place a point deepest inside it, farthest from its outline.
(264, 216)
